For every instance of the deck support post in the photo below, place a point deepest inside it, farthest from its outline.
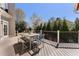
(57, 39)
(78, 36)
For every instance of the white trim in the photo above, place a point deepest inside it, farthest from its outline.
(58, 37)
(2, 31)
(5, 14)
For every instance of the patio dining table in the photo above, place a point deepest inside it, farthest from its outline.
(30, 36)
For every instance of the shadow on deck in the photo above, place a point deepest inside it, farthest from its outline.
(18, 50)
(62, 45)
(64, 49)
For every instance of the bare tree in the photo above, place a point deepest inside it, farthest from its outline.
(21, 24)
(20, 15)
(36, 20)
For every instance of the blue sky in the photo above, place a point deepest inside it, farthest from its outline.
(48, 10)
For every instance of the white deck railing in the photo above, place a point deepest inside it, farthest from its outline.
(71, 37)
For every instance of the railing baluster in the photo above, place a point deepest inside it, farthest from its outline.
(57, 38)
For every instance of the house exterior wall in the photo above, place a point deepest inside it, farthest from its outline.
(7, 18)
(11, 11)
(77, 6)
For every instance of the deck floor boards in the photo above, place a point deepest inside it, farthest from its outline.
(49, 50)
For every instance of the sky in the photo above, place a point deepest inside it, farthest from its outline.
(48, 10)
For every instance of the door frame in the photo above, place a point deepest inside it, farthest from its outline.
(5, 23)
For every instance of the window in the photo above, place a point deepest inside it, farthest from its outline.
(4, 5)
(5, 29)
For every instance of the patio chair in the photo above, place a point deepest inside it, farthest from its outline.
(38, 40)
(41, 37)
(25, 44)
(34, 48)
(25, 39)
(24, 47)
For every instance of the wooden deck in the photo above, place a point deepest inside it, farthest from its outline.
(63, 45)
(6, 48)
(49, 50)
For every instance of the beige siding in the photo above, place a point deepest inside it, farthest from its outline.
(11, 11)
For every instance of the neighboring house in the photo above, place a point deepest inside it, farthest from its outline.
(7, 20)
(77, 6)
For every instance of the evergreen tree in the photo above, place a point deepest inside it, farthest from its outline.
(52, 19)
(65, 27)
(48, 28)
(59, 25)
(21, 26)
(44, 27)
(40, 26)
(55, 26)
(37, 27)
(77, 24)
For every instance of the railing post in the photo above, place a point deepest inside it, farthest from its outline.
(78, 36)
(57, 38)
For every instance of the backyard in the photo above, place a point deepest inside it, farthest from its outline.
(43, 33)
